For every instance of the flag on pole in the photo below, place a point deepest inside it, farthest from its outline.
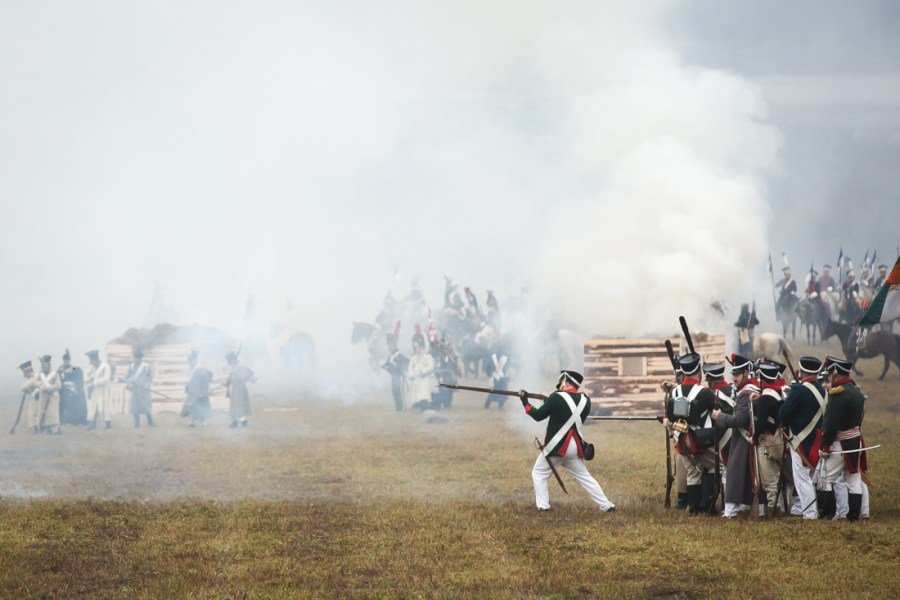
(872, 261)
(840, 262)
(886, 305)
(865, 259)
(771, 270)
(785, 259)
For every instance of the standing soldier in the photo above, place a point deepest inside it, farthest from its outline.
(396, 365)
(496, 366)
(724, 392)
(448, 369)
(138, 380)
(678, 467)
(689, 415)
(97, 377)
(840, 432)
(31, 396)
(801, 418)
(196, 404)
(564, 444)
(72, 405)
(746, 324)
(766, 433)
(49, 386)
(739, 483)
(420, 378)
(236, 389)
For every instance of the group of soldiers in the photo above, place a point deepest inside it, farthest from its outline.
(854, 293)
(414, 379)
(770, 440)
(72, 396)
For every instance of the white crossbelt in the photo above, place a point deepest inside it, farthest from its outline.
(796, 440)
(575, 420)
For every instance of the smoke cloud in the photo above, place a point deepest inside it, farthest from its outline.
(312, 151)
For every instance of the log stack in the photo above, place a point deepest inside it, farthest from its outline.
(167, 356)
(622, 375)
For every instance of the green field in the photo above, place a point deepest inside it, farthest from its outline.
(356, 500)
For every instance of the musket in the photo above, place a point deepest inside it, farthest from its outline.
(754, 467)
(717, 483)
(784, 451)
(670, 475)
(687, 334)
(543, 397)
(540, 447)
(19, 414)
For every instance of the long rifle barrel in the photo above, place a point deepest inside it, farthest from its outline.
(624, 418)
(470, 388)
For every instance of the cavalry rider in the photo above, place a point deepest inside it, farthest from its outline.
(787, 293)
(688, 414)
(851, 290)
(841, 433)
(801, 418)
(724, 392)
(564, 445)
(766, 434)
(826, 281)
(738, 481)
(879, 280)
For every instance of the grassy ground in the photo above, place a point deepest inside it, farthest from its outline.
(358, 501)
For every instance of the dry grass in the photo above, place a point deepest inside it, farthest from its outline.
(363, 503)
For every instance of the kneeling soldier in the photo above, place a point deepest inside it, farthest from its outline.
(564, 444)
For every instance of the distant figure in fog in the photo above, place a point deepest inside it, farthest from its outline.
(420, 376)
(138, 381)
(49, 386)
(236, 390)
(396, 365)
(96, 378)
(746, 324)
(72, 404)
(196, 406)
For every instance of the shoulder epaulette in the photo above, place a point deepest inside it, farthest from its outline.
(835, 391)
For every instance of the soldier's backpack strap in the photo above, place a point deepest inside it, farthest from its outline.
(574, 419)
(796, 440)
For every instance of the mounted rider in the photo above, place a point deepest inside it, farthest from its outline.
(787, 292)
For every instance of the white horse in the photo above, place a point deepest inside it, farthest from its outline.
(772, 345)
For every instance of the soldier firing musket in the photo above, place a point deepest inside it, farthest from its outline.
(564, 445)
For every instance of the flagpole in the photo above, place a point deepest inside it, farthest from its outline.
(772, 276)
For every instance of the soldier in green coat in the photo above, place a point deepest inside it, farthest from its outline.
(564, 445)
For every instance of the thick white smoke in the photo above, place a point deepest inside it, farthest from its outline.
(306, 150)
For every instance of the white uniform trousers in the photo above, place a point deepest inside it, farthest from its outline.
(835, 471)
(98, 404)
(541, 475)
(803, 484)
(841, 497)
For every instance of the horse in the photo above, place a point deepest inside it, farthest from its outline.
(880, 343)
(299, 353)
(771, 345)
(848, 335)
(787, 314)
(813, 316)
(375, 344)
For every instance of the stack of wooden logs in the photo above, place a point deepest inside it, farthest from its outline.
(622, 376)
(171, 371)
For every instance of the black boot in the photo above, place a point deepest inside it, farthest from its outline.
(694, 496)
(682, 500)
(234, 424)
(827, 506)
(108, 425)
(855, 503)
(708, 502)
(150, 420)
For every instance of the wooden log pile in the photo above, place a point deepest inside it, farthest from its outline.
(622, 375)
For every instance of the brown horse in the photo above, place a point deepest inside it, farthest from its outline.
(880, 343)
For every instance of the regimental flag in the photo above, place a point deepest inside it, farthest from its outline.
(840, 261)
(886, 305)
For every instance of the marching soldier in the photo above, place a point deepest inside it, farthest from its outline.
(31, 395)
(840, 434)
(689, 415)
(766, 433)
(138, 380)
(196, 404)
(236, 390)
(801, 418)
(72, 404)
(739, 483)
(97, 377)
(49, 386)
(724, 392)
(564, 444)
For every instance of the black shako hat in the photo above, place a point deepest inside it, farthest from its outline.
(739, 364)
(26, 365)
(93, 354)
(714, 369)
(231, 357)
(46, 358)
(573, 377)
(67, 356)
(689, 363)
(810, 364)
(138, 353)
(770, 370)
(834, 364)
(193, 354)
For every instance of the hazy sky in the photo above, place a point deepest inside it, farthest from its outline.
(618, 156)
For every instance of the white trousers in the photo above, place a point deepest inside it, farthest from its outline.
(804, 487)
(835, 470)
(541, 475)
(98, 403)
(841, 499)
